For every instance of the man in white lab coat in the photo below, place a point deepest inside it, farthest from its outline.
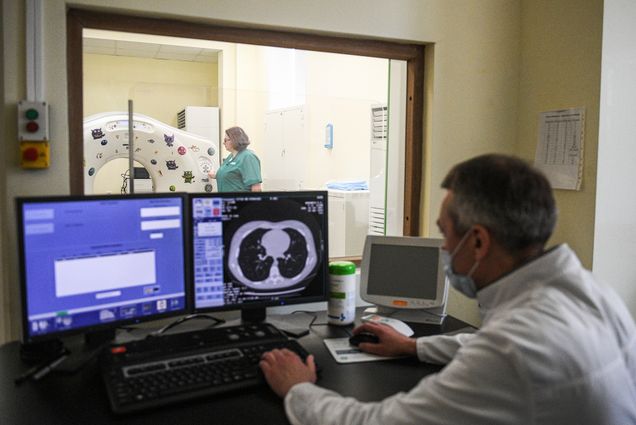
(555, 346)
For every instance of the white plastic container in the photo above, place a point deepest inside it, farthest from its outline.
(341, 307)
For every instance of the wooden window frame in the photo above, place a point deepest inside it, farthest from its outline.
(413, 54)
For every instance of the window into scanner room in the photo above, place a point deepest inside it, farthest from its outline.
(315, 120)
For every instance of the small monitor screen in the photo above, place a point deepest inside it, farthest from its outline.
(259, 249)
(100, 261)
(403, 271)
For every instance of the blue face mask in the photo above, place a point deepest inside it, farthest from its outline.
(463, 283)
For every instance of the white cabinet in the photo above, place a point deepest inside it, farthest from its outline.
(377, 179)
(348, 222)
(284, 159)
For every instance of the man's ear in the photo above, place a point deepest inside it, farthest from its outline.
(481, 241)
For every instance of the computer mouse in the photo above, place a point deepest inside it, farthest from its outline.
(357, 339)
(396, 324)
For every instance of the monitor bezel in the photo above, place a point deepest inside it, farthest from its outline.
(399, 302)
(21, 201)
(259, 305)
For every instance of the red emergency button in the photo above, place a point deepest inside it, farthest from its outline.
(118, 350)
(32, 127)
(30, 154)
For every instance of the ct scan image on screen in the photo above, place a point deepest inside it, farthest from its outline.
(258, 248)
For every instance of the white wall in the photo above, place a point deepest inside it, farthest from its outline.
(473, 93)
(338, 89)
(615, 224)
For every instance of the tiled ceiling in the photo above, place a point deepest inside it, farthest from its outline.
(149, 50)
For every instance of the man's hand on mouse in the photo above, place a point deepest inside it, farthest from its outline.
(392, 343)
(283, 369)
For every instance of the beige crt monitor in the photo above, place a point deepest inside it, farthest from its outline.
(404, 277)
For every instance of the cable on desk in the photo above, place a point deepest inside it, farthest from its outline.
(181, 320)
(310, 313)
(313, 314)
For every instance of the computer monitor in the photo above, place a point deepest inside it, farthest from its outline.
(258, 249)
(404, 277)
(94, 263)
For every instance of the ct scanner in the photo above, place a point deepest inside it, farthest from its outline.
(177, 161)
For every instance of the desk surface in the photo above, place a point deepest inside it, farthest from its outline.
(81, 398)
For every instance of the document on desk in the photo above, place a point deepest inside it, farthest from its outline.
(343, 352)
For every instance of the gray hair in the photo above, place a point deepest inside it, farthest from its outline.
(238, 137)
(511, 199)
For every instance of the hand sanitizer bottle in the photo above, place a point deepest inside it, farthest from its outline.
(341, 307)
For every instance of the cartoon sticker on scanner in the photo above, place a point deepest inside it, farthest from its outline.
(168, 139)
(273, 258)
(188, 177)
(97, 133)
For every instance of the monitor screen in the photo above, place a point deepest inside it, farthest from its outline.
(402, 272)
(415, 263)
(95, 262)
(258, 249)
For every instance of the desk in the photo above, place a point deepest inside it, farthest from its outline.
(81, 398)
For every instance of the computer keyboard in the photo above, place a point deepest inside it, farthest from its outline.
(173, 368)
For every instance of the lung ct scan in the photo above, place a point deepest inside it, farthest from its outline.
(259, 248)
(274, 256)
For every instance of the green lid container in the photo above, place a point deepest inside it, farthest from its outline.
(342, 267)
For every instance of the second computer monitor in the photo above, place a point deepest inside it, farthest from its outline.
(258, 249)
(404, 277)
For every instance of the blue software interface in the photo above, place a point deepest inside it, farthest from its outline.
(258, 248)
(91, 262)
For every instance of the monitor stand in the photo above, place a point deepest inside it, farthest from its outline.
(253, 315)
(434, 316)
(84, 350)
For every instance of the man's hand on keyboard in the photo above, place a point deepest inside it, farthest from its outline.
(283, 369)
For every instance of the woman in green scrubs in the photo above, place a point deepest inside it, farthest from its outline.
(241, 170)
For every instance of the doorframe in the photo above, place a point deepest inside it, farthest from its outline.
(413, 54)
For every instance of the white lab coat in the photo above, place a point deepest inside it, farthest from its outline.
(555, 347)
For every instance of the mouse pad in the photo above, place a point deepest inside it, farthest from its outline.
(343, 352)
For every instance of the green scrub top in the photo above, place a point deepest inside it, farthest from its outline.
(238, 173)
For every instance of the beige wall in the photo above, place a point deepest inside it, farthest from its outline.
(156, 86)
(561, 68)
(474, 77)
(4, 290)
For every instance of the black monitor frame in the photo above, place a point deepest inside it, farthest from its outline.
(103, 329)
(255, 311)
